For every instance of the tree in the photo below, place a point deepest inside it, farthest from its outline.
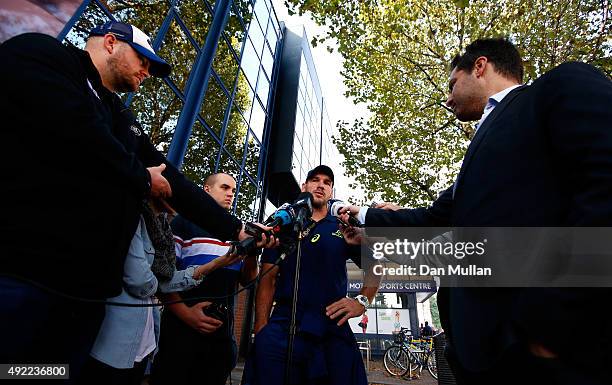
(396, 56)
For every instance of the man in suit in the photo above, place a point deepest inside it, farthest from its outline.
(541, 156)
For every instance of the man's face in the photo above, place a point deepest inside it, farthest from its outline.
(128, 69)
(320, 186)
(222, 190)
(467, 96)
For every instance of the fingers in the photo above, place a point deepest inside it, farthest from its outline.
(345, 308)
(344, 319)
(332, 308)
(160, 187)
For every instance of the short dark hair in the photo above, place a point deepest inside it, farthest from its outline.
(212, 178)
(499, 51)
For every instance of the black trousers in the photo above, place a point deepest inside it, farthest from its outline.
(99, 373)
(39, 327)
(186, 356)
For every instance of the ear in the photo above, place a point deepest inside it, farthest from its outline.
(303, 187)
(110, 42)
(207, 188)
(480, 65)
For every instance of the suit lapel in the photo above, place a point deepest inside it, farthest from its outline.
(482, 132)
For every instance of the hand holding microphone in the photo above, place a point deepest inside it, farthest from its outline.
(345, 213)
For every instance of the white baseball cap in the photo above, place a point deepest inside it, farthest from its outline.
(138, 40)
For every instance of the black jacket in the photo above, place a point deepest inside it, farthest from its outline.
(74, 173)
(543, 157)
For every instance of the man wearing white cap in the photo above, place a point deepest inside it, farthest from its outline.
(76, 168)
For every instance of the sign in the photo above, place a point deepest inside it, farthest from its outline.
(397, 286)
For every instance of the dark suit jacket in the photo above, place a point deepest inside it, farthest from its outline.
(74, 172)
(543, 157)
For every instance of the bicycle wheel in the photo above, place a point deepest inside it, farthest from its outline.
(416, 361)
(432, 364)
(396, 361)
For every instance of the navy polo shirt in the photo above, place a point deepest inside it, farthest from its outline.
(323, 277)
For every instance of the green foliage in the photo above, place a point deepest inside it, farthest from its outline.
(396, 56)
(435, 314)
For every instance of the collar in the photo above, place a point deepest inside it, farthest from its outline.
(498, 97)
(91, 71)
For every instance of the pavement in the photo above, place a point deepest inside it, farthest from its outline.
(376, 376)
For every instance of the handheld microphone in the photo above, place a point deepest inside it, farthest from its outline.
(303, 206)
(284, 215)
(335, 205)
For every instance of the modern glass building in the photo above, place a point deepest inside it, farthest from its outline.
(301, 131)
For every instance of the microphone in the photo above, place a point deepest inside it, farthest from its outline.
(284, 215)
(335, 205)
(303, 206)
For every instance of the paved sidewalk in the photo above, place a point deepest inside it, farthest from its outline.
(376, 376)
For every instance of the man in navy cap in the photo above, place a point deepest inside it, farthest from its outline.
(76, 169)
(325, 350)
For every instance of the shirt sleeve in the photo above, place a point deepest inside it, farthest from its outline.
(269, 256)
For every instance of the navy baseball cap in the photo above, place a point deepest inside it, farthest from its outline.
(320, 169)
(137, 40)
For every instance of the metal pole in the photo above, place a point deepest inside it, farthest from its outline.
(198, 83)
(292, 325)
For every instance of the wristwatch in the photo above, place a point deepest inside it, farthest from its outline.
(362, 299)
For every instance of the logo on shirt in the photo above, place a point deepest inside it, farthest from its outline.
(315, 238)
(338, 234)
(135, 130)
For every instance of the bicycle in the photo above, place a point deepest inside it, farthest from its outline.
(410, 354)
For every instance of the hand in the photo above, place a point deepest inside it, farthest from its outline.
(160, 188)
(259, 326)
(354, 210)
(345, 307)
(199, 321)
(264, 242)
(352, 235)
(229, 259)
(388, 206)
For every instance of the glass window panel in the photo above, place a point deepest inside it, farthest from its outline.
(228, 165)
(225, 65)
(244, 96)
(296, 170)
(235, 31)
(214, 105)
(247, 197)
(180, 53)
(263, 88)
(271, 36)
(257, 37)
(157, 109)
(258, 120)
(250, 63)
(196, 17)
(235, 135)
(253, 155)
(244, 9)
(201, 154)
(262, 13)
(92, 16)
(267, 61)
(144, 14)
